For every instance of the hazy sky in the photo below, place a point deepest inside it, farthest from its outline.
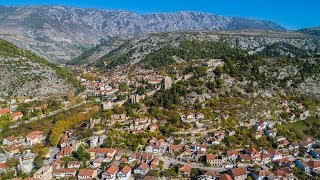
(292, 14)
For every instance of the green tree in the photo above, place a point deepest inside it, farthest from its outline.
(12, 162)
(38, 162)
(153, 173)
(71, 97)
(82, 154)
(5, 120)
(195, 172)
(219, 71)
(123, 87)
(170, 173)
(39, 149)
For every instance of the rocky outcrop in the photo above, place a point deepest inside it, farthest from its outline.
(25, 74)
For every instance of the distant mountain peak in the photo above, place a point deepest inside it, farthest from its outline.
(61, 33)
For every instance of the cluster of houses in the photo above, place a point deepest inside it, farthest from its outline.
(110, 86)
(111, 163)
(15, 115)
(120, 164)
(191, 117)
(20, 149)
(295, 111)
(11, 108)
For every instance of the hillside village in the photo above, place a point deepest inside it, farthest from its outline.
(124, 140)
(93, 93)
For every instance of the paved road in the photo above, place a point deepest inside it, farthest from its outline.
(52, 153)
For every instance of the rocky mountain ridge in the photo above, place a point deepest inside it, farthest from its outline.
(135, 48)
(62, 33)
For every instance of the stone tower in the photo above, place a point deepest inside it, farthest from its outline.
(167, 81)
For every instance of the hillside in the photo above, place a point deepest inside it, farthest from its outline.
(62, 33)
(311, 31)
(153, 47)
(25, 74)
(274, 60)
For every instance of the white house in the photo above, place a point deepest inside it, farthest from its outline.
(64, 172)
(142, 169)
(44, 173)
(26, 162)
(260, 126)
(110, 172)
(35, 137)
(74, 164)
(9, 141)
(124, 173)
(87, 174)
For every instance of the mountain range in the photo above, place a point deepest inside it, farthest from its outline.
(61, 33)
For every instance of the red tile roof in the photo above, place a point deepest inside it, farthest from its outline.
(147, 156)
(143, 166)
(4, 111)
(3, 166)
(211, 173)
(265, 172)
(313, 164)
(136, 155)
(210, 157)
(11, 138)
(16, 114)
(186, 168)
(279, 173)
(124, 160)
(232, 152)
(238, 171)
(113, 169)
(175, 147)
(245, 157)
(102, 150)
(125, 169)
(225, 177)
(86, 172)
(34, 134)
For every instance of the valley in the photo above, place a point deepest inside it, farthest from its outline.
(105, 94)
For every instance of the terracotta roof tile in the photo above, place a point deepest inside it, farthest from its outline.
(113, 169)
(238, 171)
(86, 172)
(125, 169)
(143, 166)
(225, 177)
(4, 111)
(210, 157)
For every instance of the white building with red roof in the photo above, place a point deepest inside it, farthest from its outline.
(124, 173)
(85, 174)
(4, 111)
(9, 141)
(16, 115)
(142, 169)
(110, 172)
(35, 137)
